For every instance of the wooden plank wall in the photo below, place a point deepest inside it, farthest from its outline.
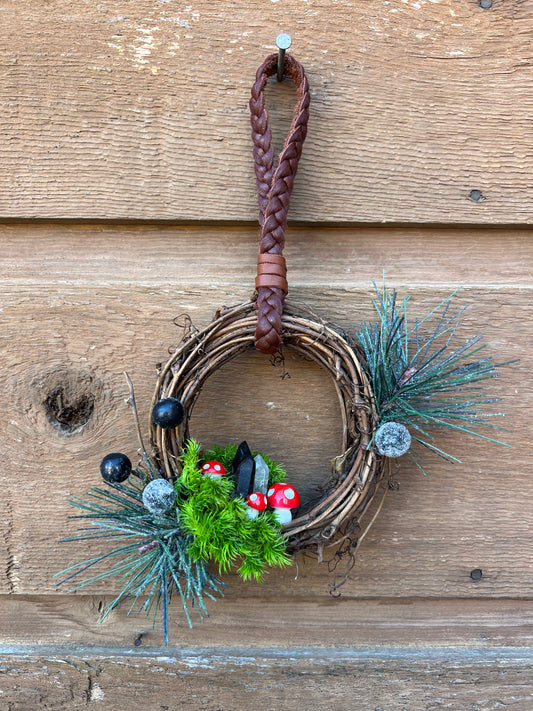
(128, 198)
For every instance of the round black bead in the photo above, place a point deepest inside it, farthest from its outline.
(115, 467)
(168, 413)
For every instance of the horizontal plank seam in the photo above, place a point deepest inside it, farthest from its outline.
(212, 657)
(215, 286)
(296, 224)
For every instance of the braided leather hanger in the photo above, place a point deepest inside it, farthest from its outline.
(274, 187)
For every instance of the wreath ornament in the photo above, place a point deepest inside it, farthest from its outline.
(182, 510)
(355, 476)
(270, 323)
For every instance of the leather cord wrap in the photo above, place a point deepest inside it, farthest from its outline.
(271, 272)
(274, 187)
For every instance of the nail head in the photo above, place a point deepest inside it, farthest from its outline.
(485, 4)
(476, 574)
(283, 41)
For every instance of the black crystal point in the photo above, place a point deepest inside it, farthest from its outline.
(243, 469)
(168, 413)
(115, 467)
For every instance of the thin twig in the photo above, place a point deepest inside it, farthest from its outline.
(133, 405)
(374, 517)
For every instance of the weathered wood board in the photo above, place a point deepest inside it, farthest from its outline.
(230, 680)
(140, 111)
(339, 654)
(127, 199)
(319, 621)
(74, 320)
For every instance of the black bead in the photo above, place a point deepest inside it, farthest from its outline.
(168, 413)
(115, 467)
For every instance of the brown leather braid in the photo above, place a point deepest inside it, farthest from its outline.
(274, 187)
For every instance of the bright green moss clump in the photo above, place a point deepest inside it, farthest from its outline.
(218, 522)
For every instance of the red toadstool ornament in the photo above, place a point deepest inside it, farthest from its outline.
(282, 498)
(256, 503)
(213, 469)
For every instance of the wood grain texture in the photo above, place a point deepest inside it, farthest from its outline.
(140, 112)
(73, 621)
(81, 305)
(325, 680)
(180, 258)
(382, 653)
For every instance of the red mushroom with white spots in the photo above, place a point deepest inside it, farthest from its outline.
(256, 503)
(213, 469)
(282, 498)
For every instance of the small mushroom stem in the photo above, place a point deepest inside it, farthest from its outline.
(283, 515)
(251, 513)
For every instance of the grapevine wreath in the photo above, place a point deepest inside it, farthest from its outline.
(182, 512)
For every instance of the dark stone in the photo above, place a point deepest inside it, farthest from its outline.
(168, 413)
(245, 477)
(243, 451)
(115, 467)
(243, 469)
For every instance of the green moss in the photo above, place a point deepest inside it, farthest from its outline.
(221, 530)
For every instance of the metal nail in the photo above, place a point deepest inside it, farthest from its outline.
(283, 42)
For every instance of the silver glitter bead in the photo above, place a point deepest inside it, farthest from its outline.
(392, 439)
(159, 495)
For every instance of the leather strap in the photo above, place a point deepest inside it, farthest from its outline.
(274, 187)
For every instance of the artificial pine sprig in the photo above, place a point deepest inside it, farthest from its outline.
(167, 552)
(152, 560)
(425, 381)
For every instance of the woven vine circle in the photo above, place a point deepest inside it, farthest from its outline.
(348, 489)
